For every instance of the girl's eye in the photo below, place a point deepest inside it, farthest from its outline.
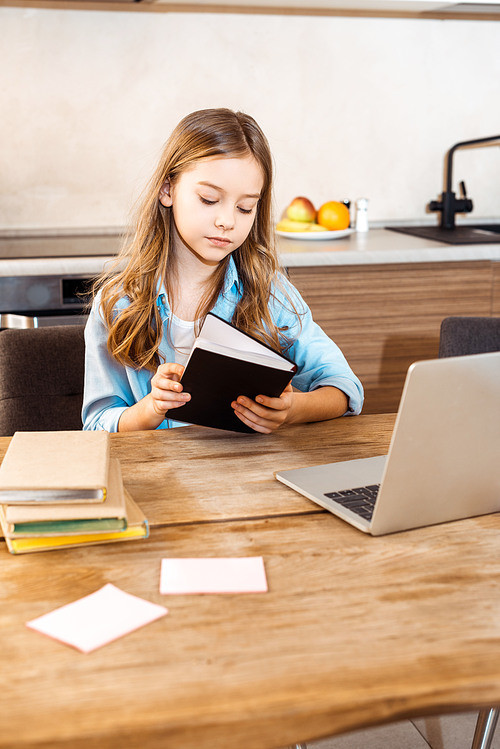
(206, 201)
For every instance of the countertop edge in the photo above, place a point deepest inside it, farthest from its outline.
(376, 257)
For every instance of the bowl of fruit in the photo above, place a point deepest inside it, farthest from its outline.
(301, 220)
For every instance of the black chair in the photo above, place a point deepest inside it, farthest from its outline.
(461, 336)
(41, 379)
(469, 335)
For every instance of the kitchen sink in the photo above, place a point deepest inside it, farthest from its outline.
(465, 234)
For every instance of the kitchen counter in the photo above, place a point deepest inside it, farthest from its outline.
(91, 253)
(84, 252)
(379, 246)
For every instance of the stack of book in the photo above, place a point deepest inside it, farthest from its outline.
(62, 489)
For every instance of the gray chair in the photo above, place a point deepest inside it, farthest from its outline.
(469, 335)
(41, 379)
(460, 336)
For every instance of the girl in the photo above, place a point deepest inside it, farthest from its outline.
(204, 242)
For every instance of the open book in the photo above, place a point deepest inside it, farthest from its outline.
(223, 364)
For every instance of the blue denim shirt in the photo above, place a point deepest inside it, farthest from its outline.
(110, 387)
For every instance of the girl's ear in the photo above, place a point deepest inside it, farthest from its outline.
(164, 197)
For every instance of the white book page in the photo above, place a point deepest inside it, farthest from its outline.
(219, 332)
(267, 358)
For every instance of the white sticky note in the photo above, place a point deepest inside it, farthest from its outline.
(97, 619)
(213, 575)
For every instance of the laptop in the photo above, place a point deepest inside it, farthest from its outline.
(444, 457)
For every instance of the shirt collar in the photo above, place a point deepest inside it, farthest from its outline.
(231, 279)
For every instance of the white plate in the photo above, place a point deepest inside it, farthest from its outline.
(315, 234)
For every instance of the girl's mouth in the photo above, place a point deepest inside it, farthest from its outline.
(219, 241)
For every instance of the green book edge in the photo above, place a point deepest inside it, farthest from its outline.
(89, 525)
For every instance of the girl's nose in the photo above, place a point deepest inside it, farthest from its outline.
(225, 219)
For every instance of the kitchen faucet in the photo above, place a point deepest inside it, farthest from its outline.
(449, 204)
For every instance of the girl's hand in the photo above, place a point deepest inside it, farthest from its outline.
(166, 393)
(264, 414)
(166, 390)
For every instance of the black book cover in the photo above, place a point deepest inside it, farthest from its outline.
(215, 380)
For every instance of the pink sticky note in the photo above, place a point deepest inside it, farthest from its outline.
(97, 619)
(213, 575)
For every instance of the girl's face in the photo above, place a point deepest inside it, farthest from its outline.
(214, 203)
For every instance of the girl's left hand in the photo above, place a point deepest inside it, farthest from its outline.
(264, 414)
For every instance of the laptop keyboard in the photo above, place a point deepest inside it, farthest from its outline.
(360, 500)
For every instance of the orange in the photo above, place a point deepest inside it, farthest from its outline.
(333, 216)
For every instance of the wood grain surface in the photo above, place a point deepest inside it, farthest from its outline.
(354, 630)
(194, 474)
(384, 317)
(495, 301)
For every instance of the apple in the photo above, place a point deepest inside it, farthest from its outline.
(301, 209)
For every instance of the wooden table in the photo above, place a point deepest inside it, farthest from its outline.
(354, 630)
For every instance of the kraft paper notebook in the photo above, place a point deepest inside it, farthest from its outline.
(52, 466)
(57, 519)
(137, 528)
(223, 364)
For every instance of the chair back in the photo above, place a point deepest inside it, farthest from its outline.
(461, 336)
(41, 378)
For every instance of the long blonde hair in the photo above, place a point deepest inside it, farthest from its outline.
(135, 333)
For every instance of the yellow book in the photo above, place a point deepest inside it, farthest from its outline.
(137, 527)
(65, 466)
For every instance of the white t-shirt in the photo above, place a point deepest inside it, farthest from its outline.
(182, 337)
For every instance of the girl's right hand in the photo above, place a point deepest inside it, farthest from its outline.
(166, 390)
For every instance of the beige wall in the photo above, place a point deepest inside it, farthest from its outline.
(352, 106)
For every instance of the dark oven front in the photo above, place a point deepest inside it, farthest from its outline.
(38, 301)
